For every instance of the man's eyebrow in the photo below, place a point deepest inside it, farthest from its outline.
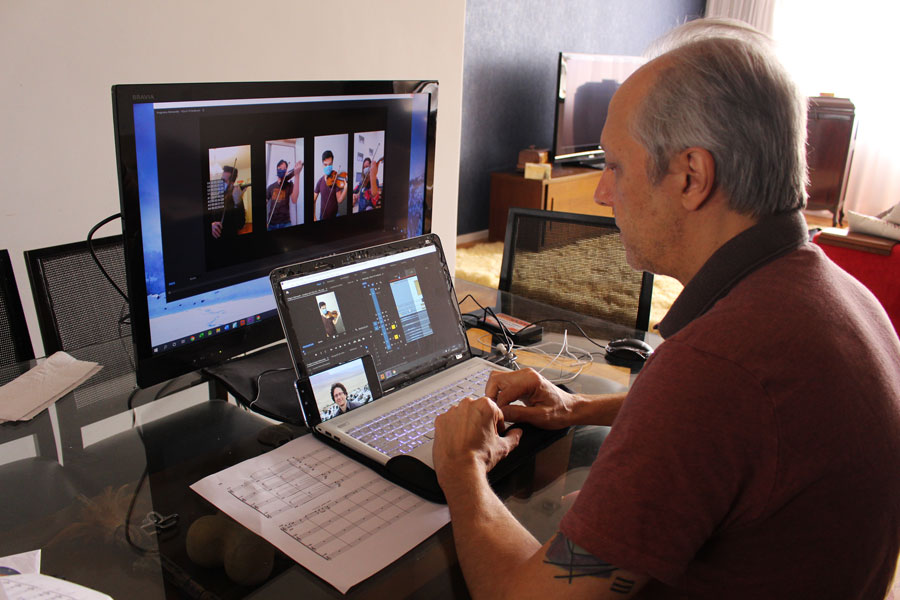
(575, 560)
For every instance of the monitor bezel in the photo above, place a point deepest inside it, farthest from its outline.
(591, 155)
(155, 368)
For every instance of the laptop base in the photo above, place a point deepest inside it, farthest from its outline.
(419, 478)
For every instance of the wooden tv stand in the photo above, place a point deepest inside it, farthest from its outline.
(570, 189)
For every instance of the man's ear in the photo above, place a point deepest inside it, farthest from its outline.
(697, 168)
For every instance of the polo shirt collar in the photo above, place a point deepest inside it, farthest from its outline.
(770, 238)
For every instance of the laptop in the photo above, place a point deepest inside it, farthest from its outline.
(379, 346)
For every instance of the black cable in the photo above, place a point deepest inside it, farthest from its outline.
(259, 377)
(570, 322)
(144, 475)
(90, 244)
(488, 310)
(534, 323)
(134, 496)
(503, 329)
(466, 297)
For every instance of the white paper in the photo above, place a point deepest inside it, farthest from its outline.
(331, 514)
(26, 396)
(23, 564)
(43, 587)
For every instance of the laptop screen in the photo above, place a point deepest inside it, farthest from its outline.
(397, 308)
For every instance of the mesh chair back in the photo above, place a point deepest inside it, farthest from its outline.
(15, 343)
(576, 262)
(76, 305)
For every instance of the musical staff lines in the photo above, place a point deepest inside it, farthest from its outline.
(338, 525)
(294, 481)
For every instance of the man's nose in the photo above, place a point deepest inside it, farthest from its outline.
(603, 193)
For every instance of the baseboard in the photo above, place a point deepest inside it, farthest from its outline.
(472, 238)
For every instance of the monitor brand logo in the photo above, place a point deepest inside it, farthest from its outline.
(142, 97)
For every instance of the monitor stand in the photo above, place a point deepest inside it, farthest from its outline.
(263, 382)
(598, 164)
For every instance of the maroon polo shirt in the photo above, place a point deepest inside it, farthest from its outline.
(757, 455)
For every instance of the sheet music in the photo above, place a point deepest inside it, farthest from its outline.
(334, 516)
(43, 587)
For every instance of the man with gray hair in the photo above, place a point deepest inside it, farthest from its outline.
(757, 454)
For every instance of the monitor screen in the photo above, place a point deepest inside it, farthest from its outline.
(220, 183)
(585, 86)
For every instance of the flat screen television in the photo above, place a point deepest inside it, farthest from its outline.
(585, 85)
(222, 182)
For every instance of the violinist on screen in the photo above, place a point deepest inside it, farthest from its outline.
(232, 217)
(329, 317)
(277, 207)
(367, 195)
(331, 188)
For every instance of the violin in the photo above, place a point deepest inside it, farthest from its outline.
(376, 164)
(337, 179)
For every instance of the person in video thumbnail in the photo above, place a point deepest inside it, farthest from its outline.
(277, 207)
(342, 398)
(329, 188)
(328, 319)
(232, 217)
(367, 195)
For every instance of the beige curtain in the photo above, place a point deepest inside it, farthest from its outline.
(849, 51)
(759, 13)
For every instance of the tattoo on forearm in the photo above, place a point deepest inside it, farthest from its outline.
(622, 585)
(577, 562)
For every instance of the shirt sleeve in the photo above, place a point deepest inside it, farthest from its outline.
(691, 453)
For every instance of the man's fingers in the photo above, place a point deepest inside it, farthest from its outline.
(511, 440)
(516, 413)
(505, 388)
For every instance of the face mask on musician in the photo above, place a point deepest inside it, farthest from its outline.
(328, 169)
(281, 173)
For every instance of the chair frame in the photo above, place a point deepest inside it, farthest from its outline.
(642, 320)
(46, 318)
(17, 323)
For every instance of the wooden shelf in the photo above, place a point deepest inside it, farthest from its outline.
(570, 189)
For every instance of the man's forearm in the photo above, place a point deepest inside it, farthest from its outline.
(490, 542)
(596, 410)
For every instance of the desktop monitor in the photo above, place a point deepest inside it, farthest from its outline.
(585, 85)
(222, 182)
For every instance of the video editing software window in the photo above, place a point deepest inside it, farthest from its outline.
(396, 309)
(230, 189)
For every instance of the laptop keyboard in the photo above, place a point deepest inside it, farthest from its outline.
(411, 425)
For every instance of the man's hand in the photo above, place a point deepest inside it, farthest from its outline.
(467, 437)
(217, 229)
(546, 405)
(298, 166)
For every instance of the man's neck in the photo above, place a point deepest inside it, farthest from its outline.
(706, 232)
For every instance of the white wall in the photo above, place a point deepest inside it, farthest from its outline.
(61, 57)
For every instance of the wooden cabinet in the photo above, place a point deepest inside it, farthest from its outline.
(830, 135)
(570, 189)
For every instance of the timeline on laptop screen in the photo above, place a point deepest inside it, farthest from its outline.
(396, 308)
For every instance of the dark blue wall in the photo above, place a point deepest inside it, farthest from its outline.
(509, 74)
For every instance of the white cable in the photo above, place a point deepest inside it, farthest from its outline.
(582, 363)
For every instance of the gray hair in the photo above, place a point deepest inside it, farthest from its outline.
(722, 88)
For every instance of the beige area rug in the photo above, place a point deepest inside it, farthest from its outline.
(480, 263)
